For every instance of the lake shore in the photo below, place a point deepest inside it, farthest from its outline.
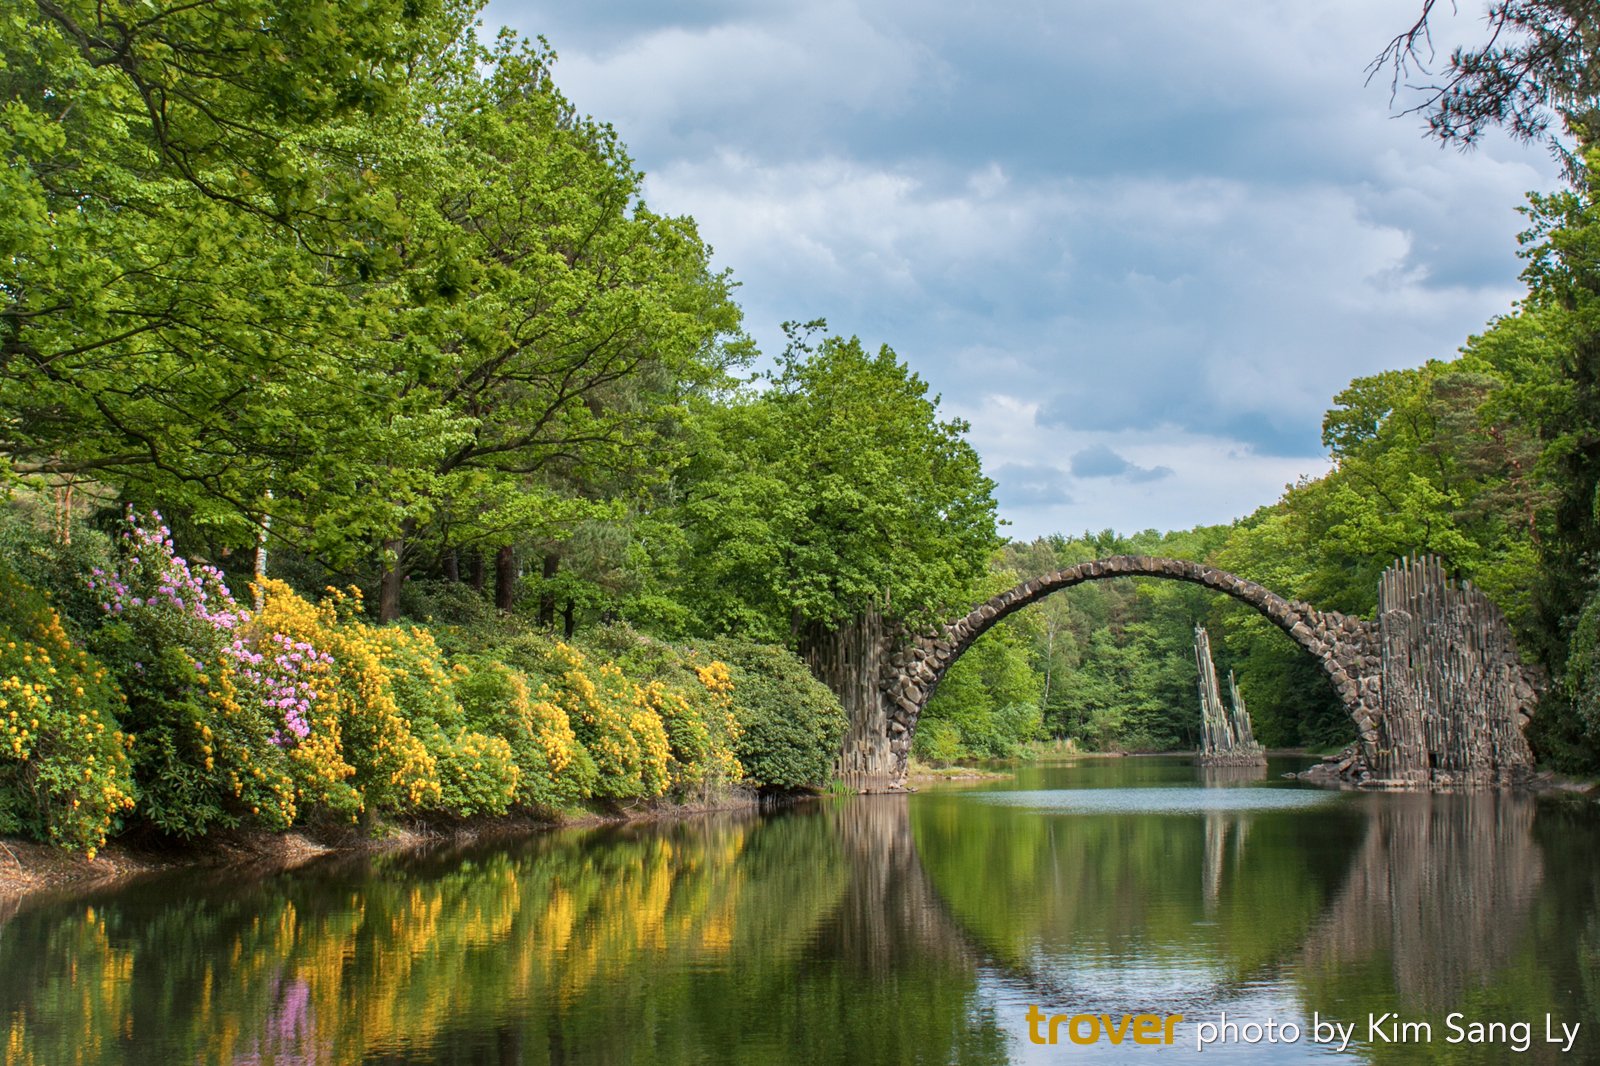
(28, 868)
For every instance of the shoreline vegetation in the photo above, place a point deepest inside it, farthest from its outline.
(144, 698)
(31, 869)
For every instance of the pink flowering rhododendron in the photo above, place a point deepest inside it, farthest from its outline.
(272, 670)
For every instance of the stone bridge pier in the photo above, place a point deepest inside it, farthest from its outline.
(1451, 713)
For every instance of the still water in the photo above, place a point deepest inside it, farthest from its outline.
(859, 930)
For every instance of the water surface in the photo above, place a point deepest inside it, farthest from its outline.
(856, 930)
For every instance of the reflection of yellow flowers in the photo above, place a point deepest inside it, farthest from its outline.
(403, 960)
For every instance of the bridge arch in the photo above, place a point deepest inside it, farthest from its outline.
(1347, 648)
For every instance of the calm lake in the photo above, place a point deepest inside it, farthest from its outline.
(862, 930)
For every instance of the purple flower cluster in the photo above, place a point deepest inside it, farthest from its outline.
(280, 677)
(151, 565)
(153, 582)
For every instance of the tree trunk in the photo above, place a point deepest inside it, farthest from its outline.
(452, 567)
(394, 573)
(547, 595)
(475, 569)
(569, 620)
(389, 584)
(257, 593)
(1049, 663)
(505, 578)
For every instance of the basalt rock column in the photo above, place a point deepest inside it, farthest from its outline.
(849, 660)
(1455, 694)
(1225, 735)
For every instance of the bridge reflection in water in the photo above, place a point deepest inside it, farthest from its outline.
(874, 929)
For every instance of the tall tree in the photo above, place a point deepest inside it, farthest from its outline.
(566, 318)
(836, 490)
(193, 206)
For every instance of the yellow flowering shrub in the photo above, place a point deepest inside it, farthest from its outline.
(701, 727)
(423, 685)
(64, 773)
(387, 724)
(623, 735)
(359, 737)
(477, 774)
(554, 770)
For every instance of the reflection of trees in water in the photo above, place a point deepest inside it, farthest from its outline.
(837, 932)
(1439, 891)
(1423, 904)
(802, 937)
(890, 908)
(1234, 891)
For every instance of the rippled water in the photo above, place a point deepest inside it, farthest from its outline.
(860, 930)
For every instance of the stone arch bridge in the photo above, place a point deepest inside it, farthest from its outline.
(1434, 685)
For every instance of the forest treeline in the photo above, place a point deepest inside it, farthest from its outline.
(370, 446)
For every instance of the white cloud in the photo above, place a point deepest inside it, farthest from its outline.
(778, 73)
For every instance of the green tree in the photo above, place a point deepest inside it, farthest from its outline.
(344, 269)
(834, 490)
(192, 213)
(988, 703)
(568, 320)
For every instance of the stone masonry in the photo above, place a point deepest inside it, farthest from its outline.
(1348, 649)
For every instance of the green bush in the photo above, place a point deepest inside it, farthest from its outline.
(40, 560)
(791, 724)
(1565, 733)
(938, 742)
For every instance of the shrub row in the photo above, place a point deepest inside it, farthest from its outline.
(191, 712)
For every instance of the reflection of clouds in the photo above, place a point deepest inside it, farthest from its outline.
(1162, 800)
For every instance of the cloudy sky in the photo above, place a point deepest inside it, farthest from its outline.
(1139, 247)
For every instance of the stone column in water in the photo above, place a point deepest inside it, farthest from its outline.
(1226, 739)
